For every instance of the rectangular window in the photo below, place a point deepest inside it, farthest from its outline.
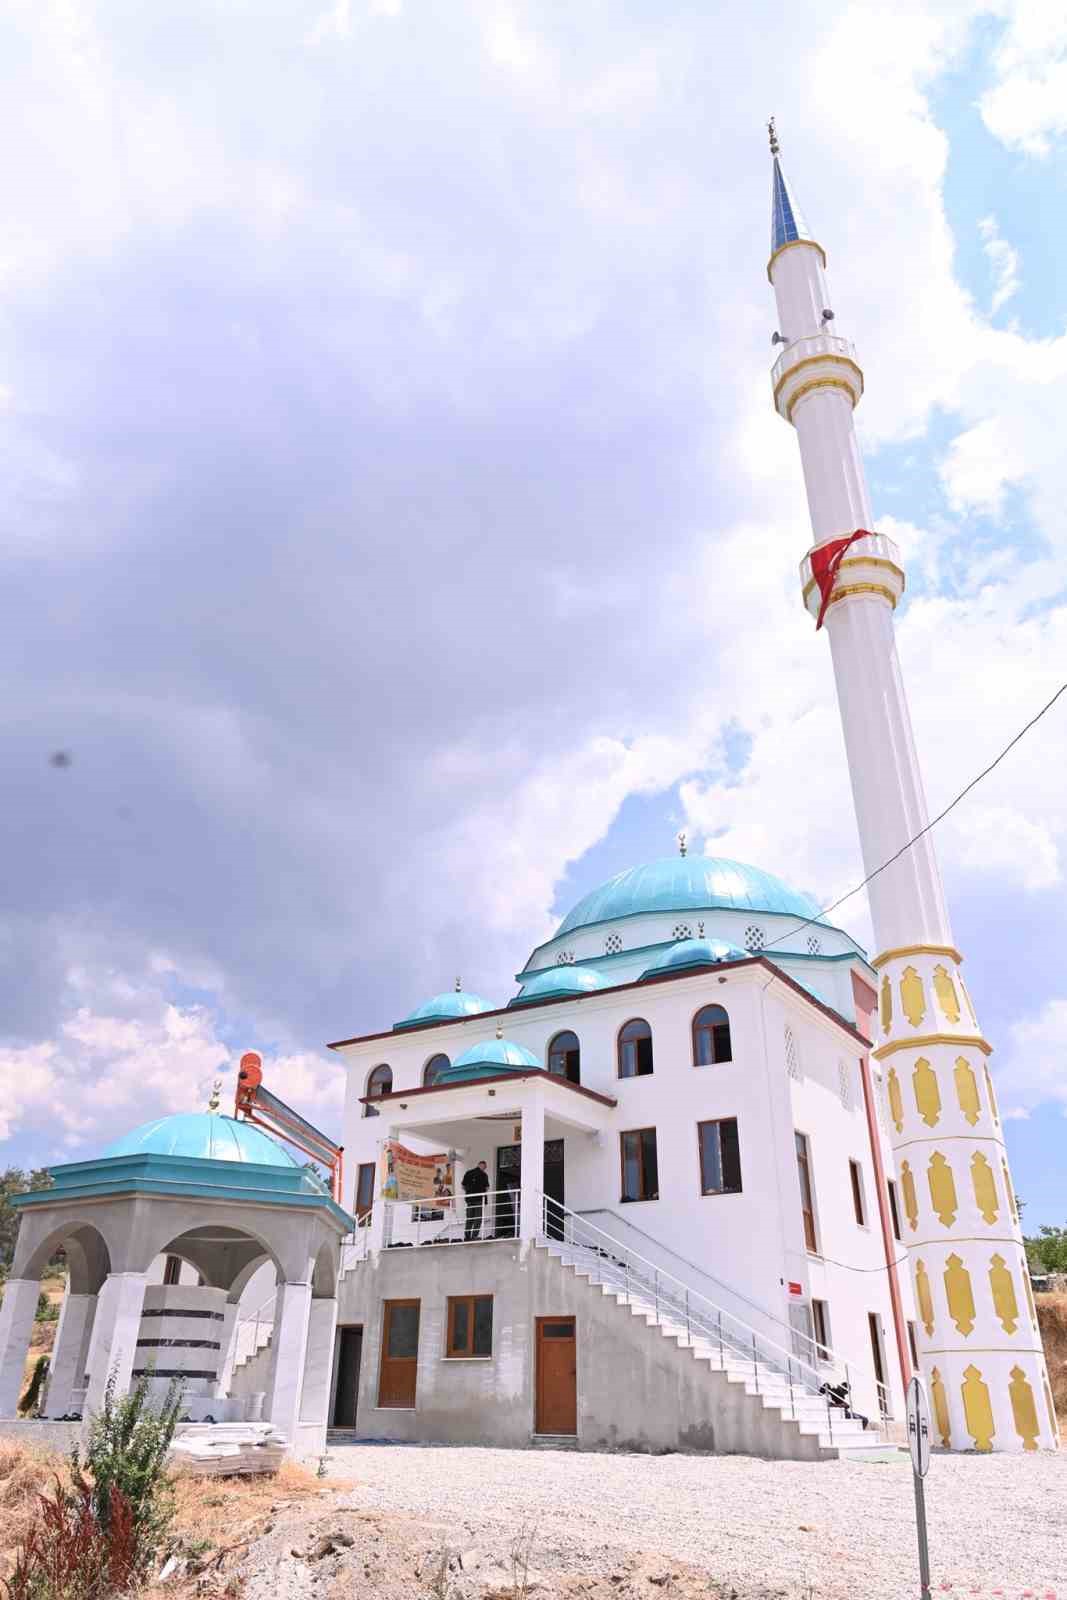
(820, 1316)
(913, 1345)
(640, 1170)
(400, 1353)
(720, 1157)
(364, 1188)
(172, 1270)
(855, 1175)
(470, 1325)
(807, 1202)
(894, 1210)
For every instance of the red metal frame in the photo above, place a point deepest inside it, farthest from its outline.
(254, 1103)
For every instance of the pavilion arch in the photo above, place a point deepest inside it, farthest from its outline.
(220, 1253)
(87, 1252)
(324, 1273)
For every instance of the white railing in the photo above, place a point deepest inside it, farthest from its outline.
(458, 1220)
(809, 347)
(247, 1335)
(354, 1244)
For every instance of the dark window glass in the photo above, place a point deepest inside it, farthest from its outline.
(720, 1157)
(172, 1269)
(461, 1329)
(807, 1204)
(364, 1188)
(821, 1323)
(380, 1082)
(640, 1168)
(635, 1049)
(483, 1325)
(914, 1345)
(711, 1037)
(433, 1069)
(557, 1330)
(856, 1179)
(403, 1330)
(470, 1325)
(565, 1057)
(893, 1212)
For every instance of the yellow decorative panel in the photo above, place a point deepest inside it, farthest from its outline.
(911, 1202)
(1011, 1192)
(947, 999)
(985, 1188)
(912, 997)
(959, 1295)
(967, 1090)
(896, 1100)
(940, 1399)
(1030, 1297)
(1002, 1286)
(886, 1003)
(1051, 1410)
(977, 1410)
(992, 1096)
(927, 1094)
(1023, 1409)
(924, 1298)
(942, 1189)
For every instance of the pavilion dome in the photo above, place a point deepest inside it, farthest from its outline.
(687, 883)
(486, 1060)
(451, 1006)
(560, 982)
(203, 1135)
(694, 953)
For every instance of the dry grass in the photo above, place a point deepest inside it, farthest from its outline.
(1052, 1319)
(24, 1474)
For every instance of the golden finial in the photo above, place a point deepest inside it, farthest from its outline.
(772, 134)
(683, 843)
(216, 1097)
(500, 1030)
(459, 985)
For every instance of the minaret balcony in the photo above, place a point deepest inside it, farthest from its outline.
(870, 569)
(819, 361)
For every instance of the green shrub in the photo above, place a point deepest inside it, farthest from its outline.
(28, 1403)
(47, 1310)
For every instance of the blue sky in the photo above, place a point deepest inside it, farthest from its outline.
(401, 538)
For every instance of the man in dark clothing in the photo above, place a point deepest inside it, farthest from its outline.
(475, 1187)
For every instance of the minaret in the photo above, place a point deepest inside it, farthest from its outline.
(979, 1346)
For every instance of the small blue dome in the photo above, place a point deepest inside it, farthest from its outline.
(561, 982)
(488, 1058)
(452, 1006)
(202, 1134)
(687, 883)
(694, 953)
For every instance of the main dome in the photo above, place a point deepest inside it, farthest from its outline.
(687, 883)
(202, 1134)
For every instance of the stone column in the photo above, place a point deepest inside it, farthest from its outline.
(292, 1312)
(318, 1364)
(114, 1340)
(69, 1352)
(533, 1160)
(16, 1326)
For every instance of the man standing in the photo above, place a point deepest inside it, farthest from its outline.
(475, 1187)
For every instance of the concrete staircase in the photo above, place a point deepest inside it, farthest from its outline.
(251, 1366)
(769, 1415)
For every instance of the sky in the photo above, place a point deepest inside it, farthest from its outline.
(398, 537)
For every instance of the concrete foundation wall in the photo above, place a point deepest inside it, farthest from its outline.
(637, 1390)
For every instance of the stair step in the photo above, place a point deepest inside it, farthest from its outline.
(553, 1441)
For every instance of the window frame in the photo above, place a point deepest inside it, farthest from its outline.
(638, 1199)
(565, 1033)
(710, 1029)
(369, 1088)
(820, 1328)
(894, 1210)
(802, 1144)
(913, 1345)
(438, 1055)
(716, 1122)
(468, 1353)
(859, 1194)
(620, 1042)
(360, 1209)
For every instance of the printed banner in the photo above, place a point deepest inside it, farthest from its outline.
(406, 1176)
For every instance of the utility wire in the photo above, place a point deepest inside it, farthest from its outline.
(825, 912)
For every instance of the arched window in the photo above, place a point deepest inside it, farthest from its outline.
(635, 1049)
(565, 1057)
(433, 1070)
(379, 1082)
(711, 1037)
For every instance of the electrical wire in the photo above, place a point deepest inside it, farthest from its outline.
(825, 912)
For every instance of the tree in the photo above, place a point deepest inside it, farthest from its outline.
(1048, 1251)
(15, 1181)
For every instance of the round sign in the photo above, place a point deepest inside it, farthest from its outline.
(918, 1414)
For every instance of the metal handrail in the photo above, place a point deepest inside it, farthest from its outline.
(690, 1308)
(453, 1219)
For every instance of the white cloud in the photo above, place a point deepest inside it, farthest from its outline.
(1004, 262)
(1026, 108)
(1035, 1062)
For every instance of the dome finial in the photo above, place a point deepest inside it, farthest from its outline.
(500, 1030)
(772, 134)
(459, 985)
(683, 843)
(216, 1097)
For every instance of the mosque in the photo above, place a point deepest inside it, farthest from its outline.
(712, 1179)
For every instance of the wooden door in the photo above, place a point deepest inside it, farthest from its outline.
(557, 1376)
(349, 1352)
(400, 1353)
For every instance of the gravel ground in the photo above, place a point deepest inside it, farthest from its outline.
(755, 1528)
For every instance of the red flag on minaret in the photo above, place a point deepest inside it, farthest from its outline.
(824, 564)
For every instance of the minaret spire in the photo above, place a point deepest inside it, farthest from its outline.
(979, 1345)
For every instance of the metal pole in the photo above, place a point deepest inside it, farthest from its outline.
(924, 1548)
(755, 1364)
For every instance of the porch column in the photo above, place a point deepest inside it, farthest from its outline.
(16, 1326)
(531, 1223)
(292, 1311)
(227, 1349)
(69, 1353)
(114, 1341)
(318, 1363)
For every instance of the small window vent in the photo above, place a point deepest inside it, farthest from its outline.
(792, 1060)
(755, 938)
(613, 944)
(814, 944)
(681, 930)
(844, 1078)
(565, 958)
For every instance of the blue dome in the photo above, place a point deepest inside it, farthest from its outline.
(559, 981)
(687, 883)
(202, 1134)
(488, 1058)
(452, 1006)
(695, 953)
